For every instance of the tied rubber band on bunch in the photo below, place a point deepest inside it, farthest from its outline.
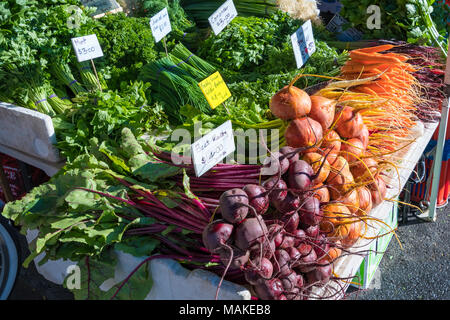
(175, 65)
(72, 82)
(42, 100)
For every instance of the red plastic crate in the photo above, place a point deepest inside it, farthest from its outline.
(420, 191)
(14, 177)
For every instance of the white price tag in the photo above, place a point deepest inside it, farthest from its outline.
(160, 25)
(303, 43)
(212, 148)
(87, 47)
(222, 16)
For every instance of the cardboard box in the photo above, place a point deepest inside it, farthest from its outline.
(368, 270)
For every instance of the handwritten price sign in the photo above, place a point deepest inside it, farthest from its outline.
(222, 16)
(215, 89)
(87, 47)
(212, 148)
(303, 43)
(160, 25)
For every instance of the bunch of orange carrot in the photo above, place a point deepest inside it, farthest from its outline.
(395, 75)
(395, 85)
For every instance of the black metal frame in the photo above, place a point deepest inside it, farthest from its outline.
(406, 212)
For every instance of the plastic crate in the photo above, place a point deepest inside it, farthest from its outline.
(13, 176)
(11, 168)
(367, 270)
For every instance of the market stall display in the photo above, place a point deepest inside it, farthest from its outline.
(290, 222)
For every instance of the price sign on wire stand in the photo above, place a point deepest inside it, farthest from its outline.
(88, 48)
(161, 27)
(303, 43)
(212, 148)
(222, 16)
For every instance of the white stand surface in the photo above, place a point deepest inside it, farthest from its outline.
(171, 281)
(29, 136)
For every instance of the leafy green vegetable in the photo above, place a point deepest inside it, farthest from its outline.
(95, 270)
(175, 79)
(407, 20)
(201, 10)
(103, 115)
(178, 18)
(247, 41)
(128, 43)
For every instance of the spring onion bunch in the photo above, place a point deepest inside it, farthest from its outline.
(63, 73)
(200, 10)
(175, 81)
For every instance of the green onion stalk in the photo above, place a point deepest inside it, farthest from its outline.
(88, 77)
(63, 95)
(58, 105)
(5, 98)
(37, 95)
(182, 53)
(201, 10)
(175, 85)
(269, 134)
(31, 92)
(63, 73)
(191, 39)
(425, 14)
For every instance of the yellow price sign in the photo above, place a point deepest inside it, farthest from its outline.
(215, 89)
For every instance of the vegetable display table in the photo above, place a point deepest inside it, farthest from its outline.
(29, 136)
(347, 267)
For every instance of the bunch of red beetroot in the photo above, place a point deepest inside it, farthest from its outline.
(271, 231)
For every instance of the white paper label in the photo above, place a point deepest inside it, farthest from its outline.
(87, 47)
(212, 148)
(160, 25)
(222, 16)
(303, 43)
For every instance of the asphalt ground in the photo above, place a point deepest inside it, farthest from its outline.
(419, 271)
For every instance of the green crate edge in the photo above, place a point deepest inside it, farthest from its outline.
(371, 261)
